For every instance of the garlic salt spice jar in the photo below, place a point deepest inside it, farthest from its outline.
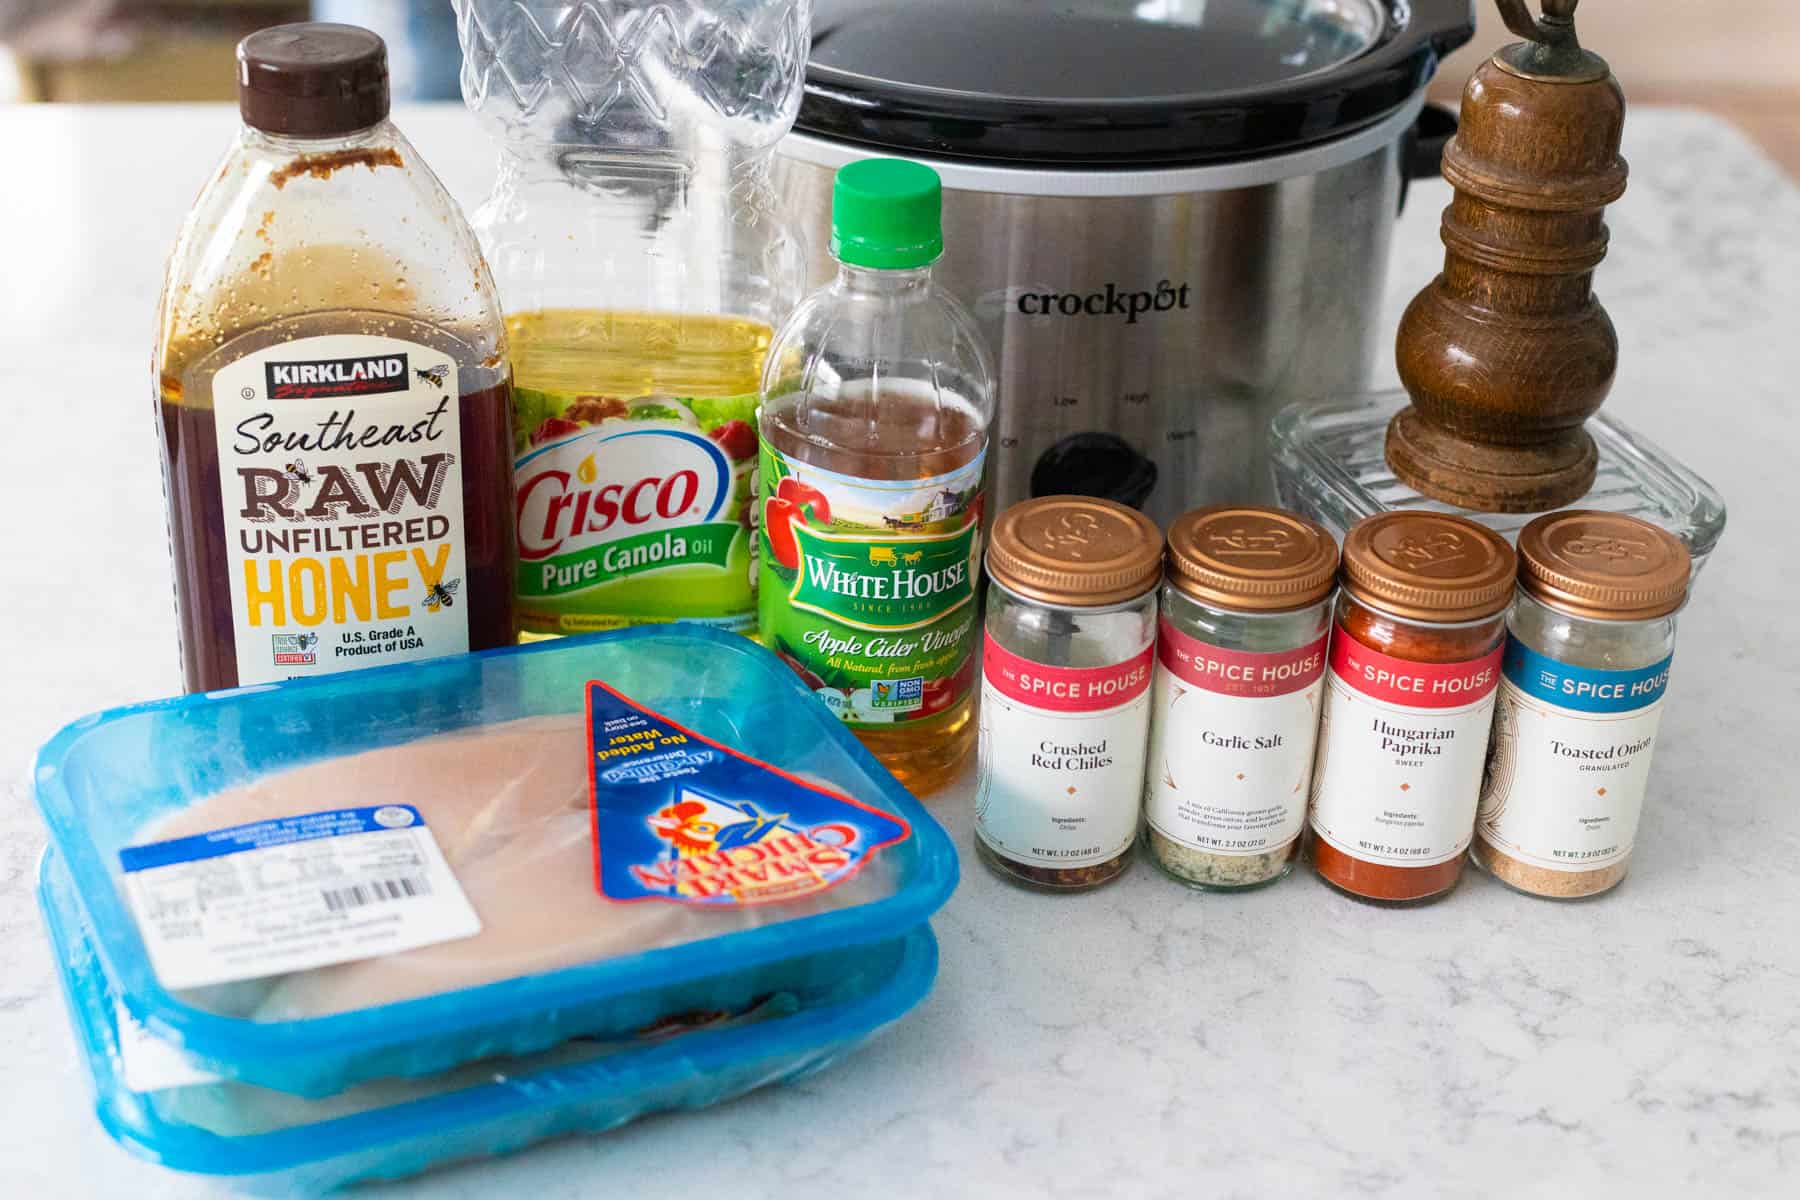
(1246, 609)
(1409, 700)
(1065, 689)
(1589, 641)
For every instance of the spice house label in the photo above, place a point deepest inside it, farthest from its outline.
(1231, 747)
(341, 481)
(1401, 750)
(1062, 751)
(1570, 760)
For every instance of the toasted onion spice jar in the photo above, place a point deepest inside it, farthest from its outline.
(1240, 665)
(1409, 700)
(1588, 646)
(1065, 689)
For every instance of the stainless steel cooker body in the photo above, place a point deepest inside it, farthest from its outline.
(1148, 324)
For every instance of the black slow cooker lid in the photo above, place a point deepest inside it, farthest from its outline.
(1117, 82)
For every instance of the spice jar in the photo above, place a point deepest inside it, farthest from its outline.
(1240, 665)
(1065, 689)
(1409, 699)
(1588, 646)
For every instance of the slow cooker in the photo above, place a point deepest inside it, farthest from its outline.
(1170, 216)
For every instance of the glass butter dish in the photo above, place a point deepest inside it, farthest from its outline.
(389, 872)
(272, 1143)
(1329, 463)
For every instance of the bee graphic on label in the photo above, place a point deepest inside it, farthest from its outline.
(439, 595)
(306, 641)
(433, 375)
(297, 471)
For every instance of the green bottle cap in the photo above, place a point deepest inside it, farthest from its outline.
(887, 213)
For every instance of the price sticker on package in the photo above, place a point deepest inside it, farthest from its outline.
(293, 893)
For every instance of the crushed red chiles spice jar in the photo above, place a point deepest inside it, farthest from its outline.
(1409, 700)
(1065, 690)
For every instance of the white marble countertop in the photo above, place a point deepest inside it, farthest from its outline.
(1140, 1040)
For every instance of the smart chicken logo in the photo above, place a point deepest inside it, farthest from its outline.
(719, 849)
(682, 818)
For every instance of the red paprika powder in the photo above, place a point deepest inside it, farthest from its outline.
(1409, 699)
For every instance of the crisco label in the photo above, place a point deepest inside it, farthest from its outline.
(633, 517)
(679, 817)
(341, 479)
(868, 586)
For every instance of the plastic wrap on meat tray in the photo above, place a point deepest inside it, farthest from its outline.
(509, 808)
(394, 871)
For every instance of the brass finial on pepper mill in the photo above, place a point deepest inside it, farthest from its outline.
(1507, 353)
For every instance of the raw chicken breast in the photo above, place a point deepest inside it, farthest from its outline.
(509, 807)
(539, 910)
(475, 790)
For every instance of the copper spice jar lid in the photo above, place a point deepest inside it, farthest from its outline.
(1429, 566)
(1603, 565)
(1251, 559)
(1076, 551)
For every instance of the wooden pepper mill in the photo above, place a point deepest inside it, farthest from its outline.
(1507, 353)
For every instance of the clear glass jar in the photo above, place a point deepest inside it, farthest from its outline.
(1330, 462)
(1246, 609)
(1409, 701)
(1065, 698)
(1590, 640)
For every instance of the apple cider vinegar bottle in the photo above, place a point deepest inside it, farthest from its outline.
(877, 398)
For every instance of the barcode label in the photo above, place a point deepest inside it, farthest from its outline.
(292, 894)
(374, 891)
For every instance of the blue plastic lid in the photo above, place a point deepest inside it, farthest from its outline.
(104, 779)
(431, 1121)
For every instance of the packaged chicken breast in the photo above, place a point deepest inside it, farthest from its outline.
(164, 1107)
(309, 884)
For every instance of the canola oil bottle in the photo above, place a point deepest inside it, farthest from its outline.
(641, 264)
(877, 399)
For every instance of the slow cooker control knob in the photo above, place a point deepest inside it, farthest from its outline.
(1094, 464)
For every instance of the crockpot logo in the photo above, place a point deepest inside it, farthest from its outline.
(1110, 301)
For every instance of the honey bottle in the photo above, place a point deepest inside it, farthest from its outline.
(333, 393)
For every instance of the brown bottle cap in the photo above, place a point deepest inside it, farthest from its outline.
(312, 80)
(1604, 565)
(1075, 550)
(1429, 566)
(1251, 559)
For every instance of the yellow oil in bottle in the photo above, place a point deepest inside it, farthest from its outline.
(590, 546)
(892, 431)
(586, 351)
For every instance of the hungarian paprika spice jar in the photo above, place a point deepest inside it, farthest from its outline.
(1065, 689)
(1409, 701)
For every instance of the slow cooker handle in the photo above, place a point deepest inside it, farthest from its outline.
(1422, 149)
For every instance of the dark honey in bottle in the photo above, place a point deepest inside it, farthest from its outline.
(333, 391)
